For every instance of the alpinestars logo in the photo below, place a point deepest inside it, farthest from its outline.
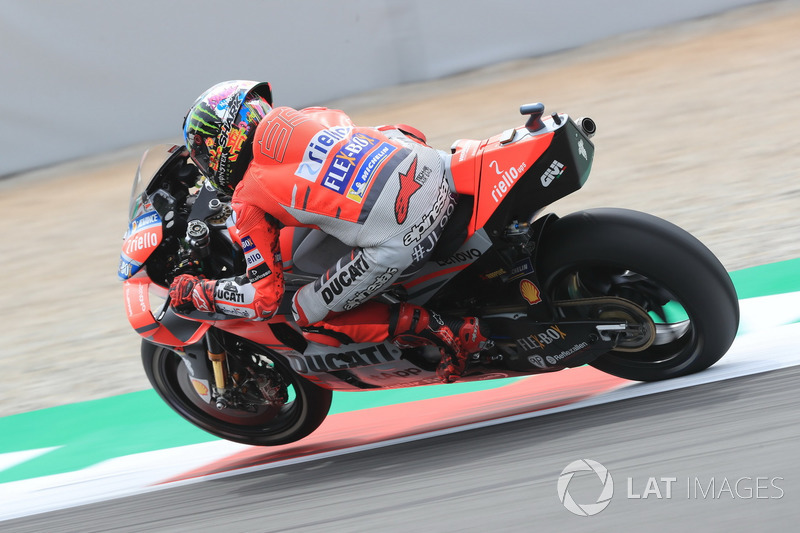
(552, 173)
(408, 186)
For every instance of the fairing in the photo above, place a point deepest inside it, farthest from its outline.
(144, 299)
(145, 231)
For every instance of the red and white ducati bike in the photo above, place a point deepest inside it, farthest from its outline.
(623, 291)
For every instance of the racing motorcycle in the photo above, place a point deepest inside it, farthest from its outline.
(623, 291)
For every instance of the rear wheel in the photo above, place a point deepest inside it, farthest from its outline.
(685, 311)
(297, 406)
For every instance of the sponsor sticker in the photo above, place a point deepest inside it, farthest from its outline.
(506, 179)
(409, 184)
(227, 291)
(235, 299)
(200, 387)
(143, 236)
(144, 221)
(536, 360)
(361, 182)
(332, 361)
(378, 284)
(461, 257)
(530, 292)
(251, 254)
(494, 274)
(426, 222)
(540, 340)
(142, 240)
(257, 268)
(344, 162)
(343, 277)
(318, 149)
(127, 267)
(522, 268)
(582, 150)
(551, 174)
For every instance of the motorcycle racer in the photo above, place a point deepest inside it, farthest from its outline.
(382, 191)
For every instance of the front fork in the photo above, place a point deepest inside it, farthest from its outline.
(195, 357)
(216, 354)
(256, 383)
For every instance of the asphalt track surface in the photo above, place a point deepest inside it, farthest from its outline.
(729, 448)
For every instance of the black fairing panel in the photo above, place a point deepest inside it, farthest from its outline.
(542, 184)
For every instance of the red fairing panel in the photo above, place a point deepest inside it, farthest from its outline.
(489, 169)
(176, 332)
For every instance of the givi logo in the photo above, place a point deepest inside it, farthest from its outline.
(552, 173)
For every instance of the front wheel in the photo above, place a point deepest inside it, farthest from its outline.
(692, 311)
(301, 409)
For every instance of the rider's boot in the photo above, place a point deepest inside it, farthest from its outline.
(457, 338)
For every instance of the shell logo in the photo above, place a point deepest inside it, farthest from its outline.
(200, 387)
(529, 291)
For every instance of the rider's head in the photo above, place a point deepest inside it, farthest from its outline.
(220, 126)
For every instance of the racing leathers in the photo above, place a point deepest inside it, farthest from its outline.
(378, 190)
(382, 191)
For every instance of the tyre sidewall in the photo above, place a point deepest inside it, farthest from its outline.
(665, 254)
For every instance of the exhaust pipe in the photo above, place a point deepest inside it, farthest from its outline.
(588, 126)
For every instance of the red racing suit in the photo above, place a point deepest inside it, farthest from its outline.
(382, 191)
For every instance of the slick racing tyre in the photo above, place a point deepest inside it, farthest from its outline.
(692, 311)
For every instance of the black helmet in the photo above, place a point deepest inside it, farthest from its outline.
(219, 129)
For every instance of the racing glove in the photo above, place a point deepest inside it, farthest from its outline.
(187, 290)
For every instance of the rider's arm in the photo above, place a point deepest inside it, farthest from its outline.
(263, 288)
(255, 295)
